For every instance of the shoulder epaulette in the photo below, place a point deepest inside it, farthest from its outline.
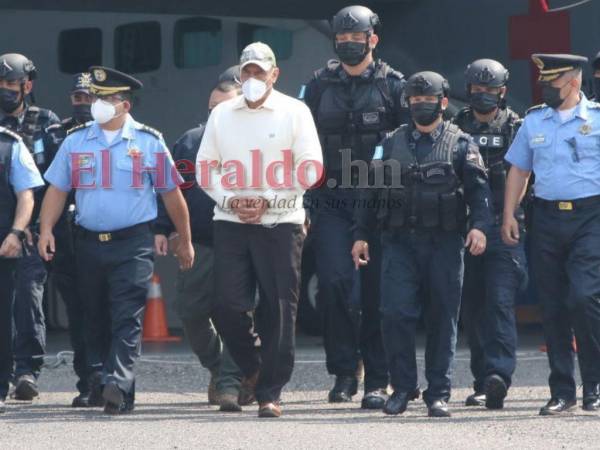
(150, 130)
(79, 127)
(10, 133)
(535, 108)
(593, 104)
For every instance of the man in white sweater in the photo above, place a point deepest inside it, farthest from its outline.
(259, 153)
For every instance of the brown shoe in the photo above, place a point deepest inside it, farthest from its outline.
(213, 395)
(270, 409)
(247, 396)
(229, 403)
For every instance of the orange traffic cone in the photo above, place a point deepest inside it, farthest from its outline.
(155, 319)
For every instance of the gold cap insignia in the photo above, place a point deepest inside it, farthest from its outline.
(99, 75)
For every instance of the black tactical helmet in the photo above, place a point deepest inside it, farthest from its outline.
(485, 72)
(14, 66)
(355, 19)
(426, 83)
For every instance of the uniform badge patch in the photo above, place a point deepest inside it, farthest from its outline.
(436, 171)
(134, 152)
(370, 118)
(475, 157)
(84, 160)
(585, 129)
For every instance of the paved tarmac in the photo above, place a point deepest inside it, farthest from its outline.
(172, 412)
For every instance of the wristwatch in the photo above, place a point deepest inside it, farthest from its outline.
(19, 233)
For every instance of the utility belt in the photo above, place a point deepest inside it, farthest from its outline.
(432, 210)
(567, 205)
(117, 235)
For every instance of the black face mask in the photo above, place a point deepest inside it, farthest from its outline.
(82, 113)
(9, 100)
(425, 113)
(484, 102)
(551, 96)
(352, 53)
(596, 82)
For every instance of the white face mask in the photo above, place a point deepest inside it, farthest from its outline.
(103, 111)
(254, 89)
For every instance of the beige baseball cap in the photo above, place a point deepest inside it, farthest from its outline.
(260, 54)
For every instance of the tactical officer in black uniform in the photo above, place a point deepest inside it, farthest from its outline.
(354, 102)
(493, 280)
(431, 171)
(17, 73)
(18, 176)
(64, 269)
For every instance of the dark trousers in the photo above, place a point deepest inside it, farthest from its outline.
(113, 278)
(349, 298)
(64, 274)
(195, 303)
(413, 261)
(7, 272)
(491, 284)
(566, 264)
(244, 256)
(30, 323)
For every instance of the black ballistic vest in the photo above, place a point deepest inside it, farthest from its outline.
(353, 113)
(493, 140)
(8, 200)
(429, 194)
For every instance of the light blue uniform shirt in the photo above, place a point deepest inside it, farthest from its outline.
(115, 184)
(24, 174)
(565, 157)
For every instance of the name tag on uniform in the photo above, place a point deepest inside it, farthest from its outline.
(370, 118)
(538, 139)
(489, 140)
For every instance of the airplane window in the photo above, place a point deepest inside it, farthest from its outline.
(281, 41)
(137, 47)
(198, 42)
(78, 49)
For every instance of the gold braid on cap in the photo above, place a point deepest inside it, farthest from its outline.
(553, 74)
(103, 90)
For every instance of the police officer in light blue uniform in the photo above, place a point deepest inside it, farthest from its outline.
(560, 142)
(116, 166)
(18, 176)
